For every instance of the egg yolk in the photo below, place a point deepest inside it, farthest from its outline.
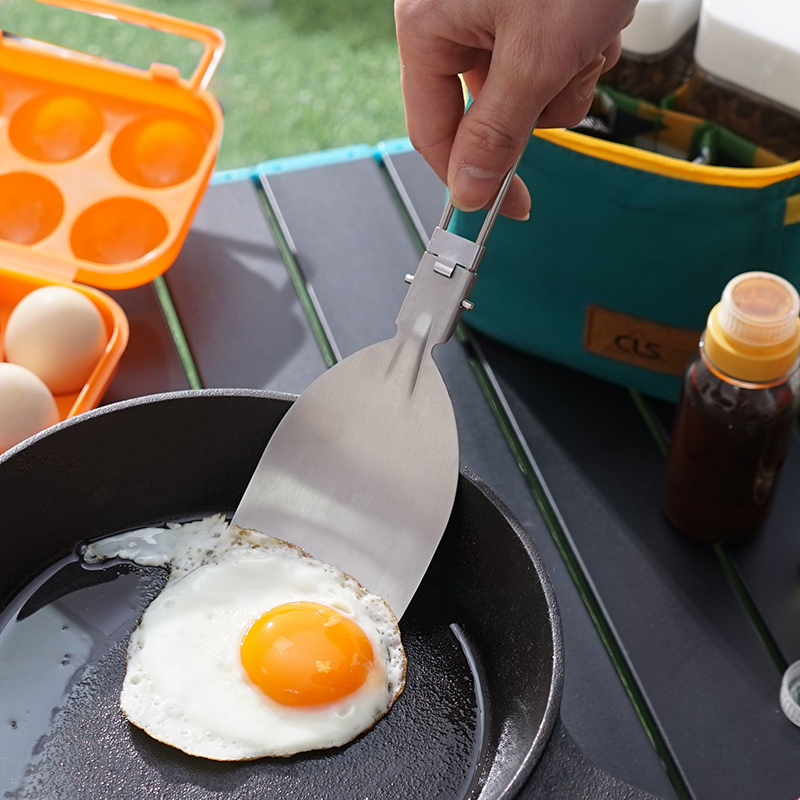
(305, 654)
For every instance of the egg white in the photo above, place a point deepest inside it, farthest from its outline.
(185, 684)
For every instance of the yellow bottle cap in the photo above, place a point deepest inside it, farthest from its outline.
(753, 333)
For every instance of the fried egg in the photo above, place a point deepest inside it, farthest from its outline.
(253, 648)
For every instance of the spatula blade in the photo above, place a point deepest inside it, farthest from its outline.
(378, 518)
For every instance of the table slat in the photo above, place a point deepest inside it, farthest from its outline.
(237, 306)
(354, 249)
(150, 363)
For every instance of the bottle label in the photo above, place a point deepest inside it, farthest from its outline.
(638, 341)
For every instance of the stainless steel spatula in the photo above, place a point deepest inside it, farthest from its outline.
(362, 470)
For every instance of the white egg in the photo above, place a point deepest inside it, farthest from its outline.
(26, 405)
(253, 648)
(58, 334)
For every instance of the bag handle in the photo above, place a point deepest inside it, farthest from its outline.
(213, 40)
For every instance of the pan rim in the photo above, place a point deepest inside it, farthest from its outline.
(143, 400)
(540, 741)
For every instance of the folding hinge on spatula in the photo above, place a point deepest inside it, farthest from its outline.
(362, 471)
(446, 250)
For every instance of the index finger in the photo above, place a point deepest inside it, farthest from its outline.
(433, 98)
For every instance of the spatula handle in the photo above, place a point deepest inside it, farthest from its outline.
(447, 251)
(491, 216)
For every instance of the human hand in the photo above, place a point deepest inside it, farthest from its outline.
(522, 60)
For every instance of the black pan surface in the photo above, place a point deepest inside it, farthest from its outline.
(482, 635)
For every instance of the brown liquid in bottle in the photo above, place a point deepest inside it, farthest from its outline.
(729, 442)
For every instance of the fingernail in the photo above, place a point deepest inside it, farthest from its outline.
(473, 187)
(587, 85)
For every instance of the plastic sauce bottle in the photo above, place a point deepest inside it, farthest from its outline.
(737, 410)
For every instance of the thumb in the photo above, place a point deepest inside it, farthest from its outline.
(490, 136)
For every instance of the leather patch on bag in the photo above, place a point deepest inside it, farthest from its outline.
(637, 341)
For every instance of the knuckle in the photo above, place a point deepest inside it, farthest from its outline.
(568, 120)
(431, 149)
(408, 13)
(564, 112)
(420, 143)
(489, 137)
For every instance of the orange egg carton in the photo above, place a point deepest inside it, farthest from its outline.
(102, 167)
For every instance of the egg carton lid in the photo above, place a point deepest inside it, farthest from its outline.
(755, 45)
(130, 88)
(658, 25)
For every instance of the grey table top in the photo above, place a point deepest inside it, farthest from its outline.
(674, 650)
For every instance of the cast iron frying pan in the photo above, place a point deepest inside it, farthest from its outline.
(478, 718)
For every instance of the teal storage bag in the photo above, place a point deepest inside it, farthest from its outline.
(625, 253)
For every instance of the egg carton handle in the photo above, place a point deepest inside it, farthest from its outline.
(212, 39)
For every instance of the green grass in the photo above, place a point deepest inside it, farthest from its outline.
(297, 75)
